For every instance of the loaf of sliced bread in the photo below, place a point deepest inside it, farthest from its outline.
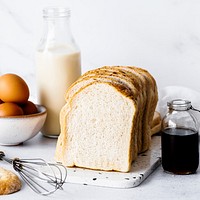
(107, 118)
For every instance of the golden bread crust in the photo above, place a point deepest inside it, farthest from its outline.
(9, 182)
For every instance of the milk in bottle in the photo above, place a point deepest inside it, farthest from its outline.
(57, 66)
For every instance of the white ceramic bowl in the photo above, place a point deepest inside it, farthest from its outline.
(17, 129)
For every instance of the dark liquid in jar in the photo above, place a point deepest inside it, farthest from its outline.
(180, 151)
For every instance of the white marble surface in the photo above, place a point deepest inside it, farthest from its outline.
(161, 36)
(159, 185)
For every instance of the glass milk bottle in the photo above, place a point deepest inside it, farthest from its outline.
(57, 66)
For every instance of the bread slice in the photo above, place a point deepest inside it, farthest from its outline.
(86, 80)
(122, 76)
(91, 142)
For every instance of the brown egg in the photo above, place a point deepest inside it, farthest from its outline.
(13, 89)
(10, 109)
(29, 108)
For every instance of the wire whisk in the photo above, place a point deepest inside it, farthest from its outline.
(42, 177)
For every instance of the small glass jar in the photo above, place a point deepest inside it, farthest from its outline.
(180, 139)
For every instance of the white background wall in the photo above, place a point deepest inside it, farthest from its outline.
(162, 36)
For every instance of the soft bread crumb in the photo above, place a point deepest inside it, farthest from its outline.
(98, 144)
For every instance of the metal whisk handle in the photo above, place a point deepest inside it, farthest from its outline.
(3, 157)
(2, 154)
